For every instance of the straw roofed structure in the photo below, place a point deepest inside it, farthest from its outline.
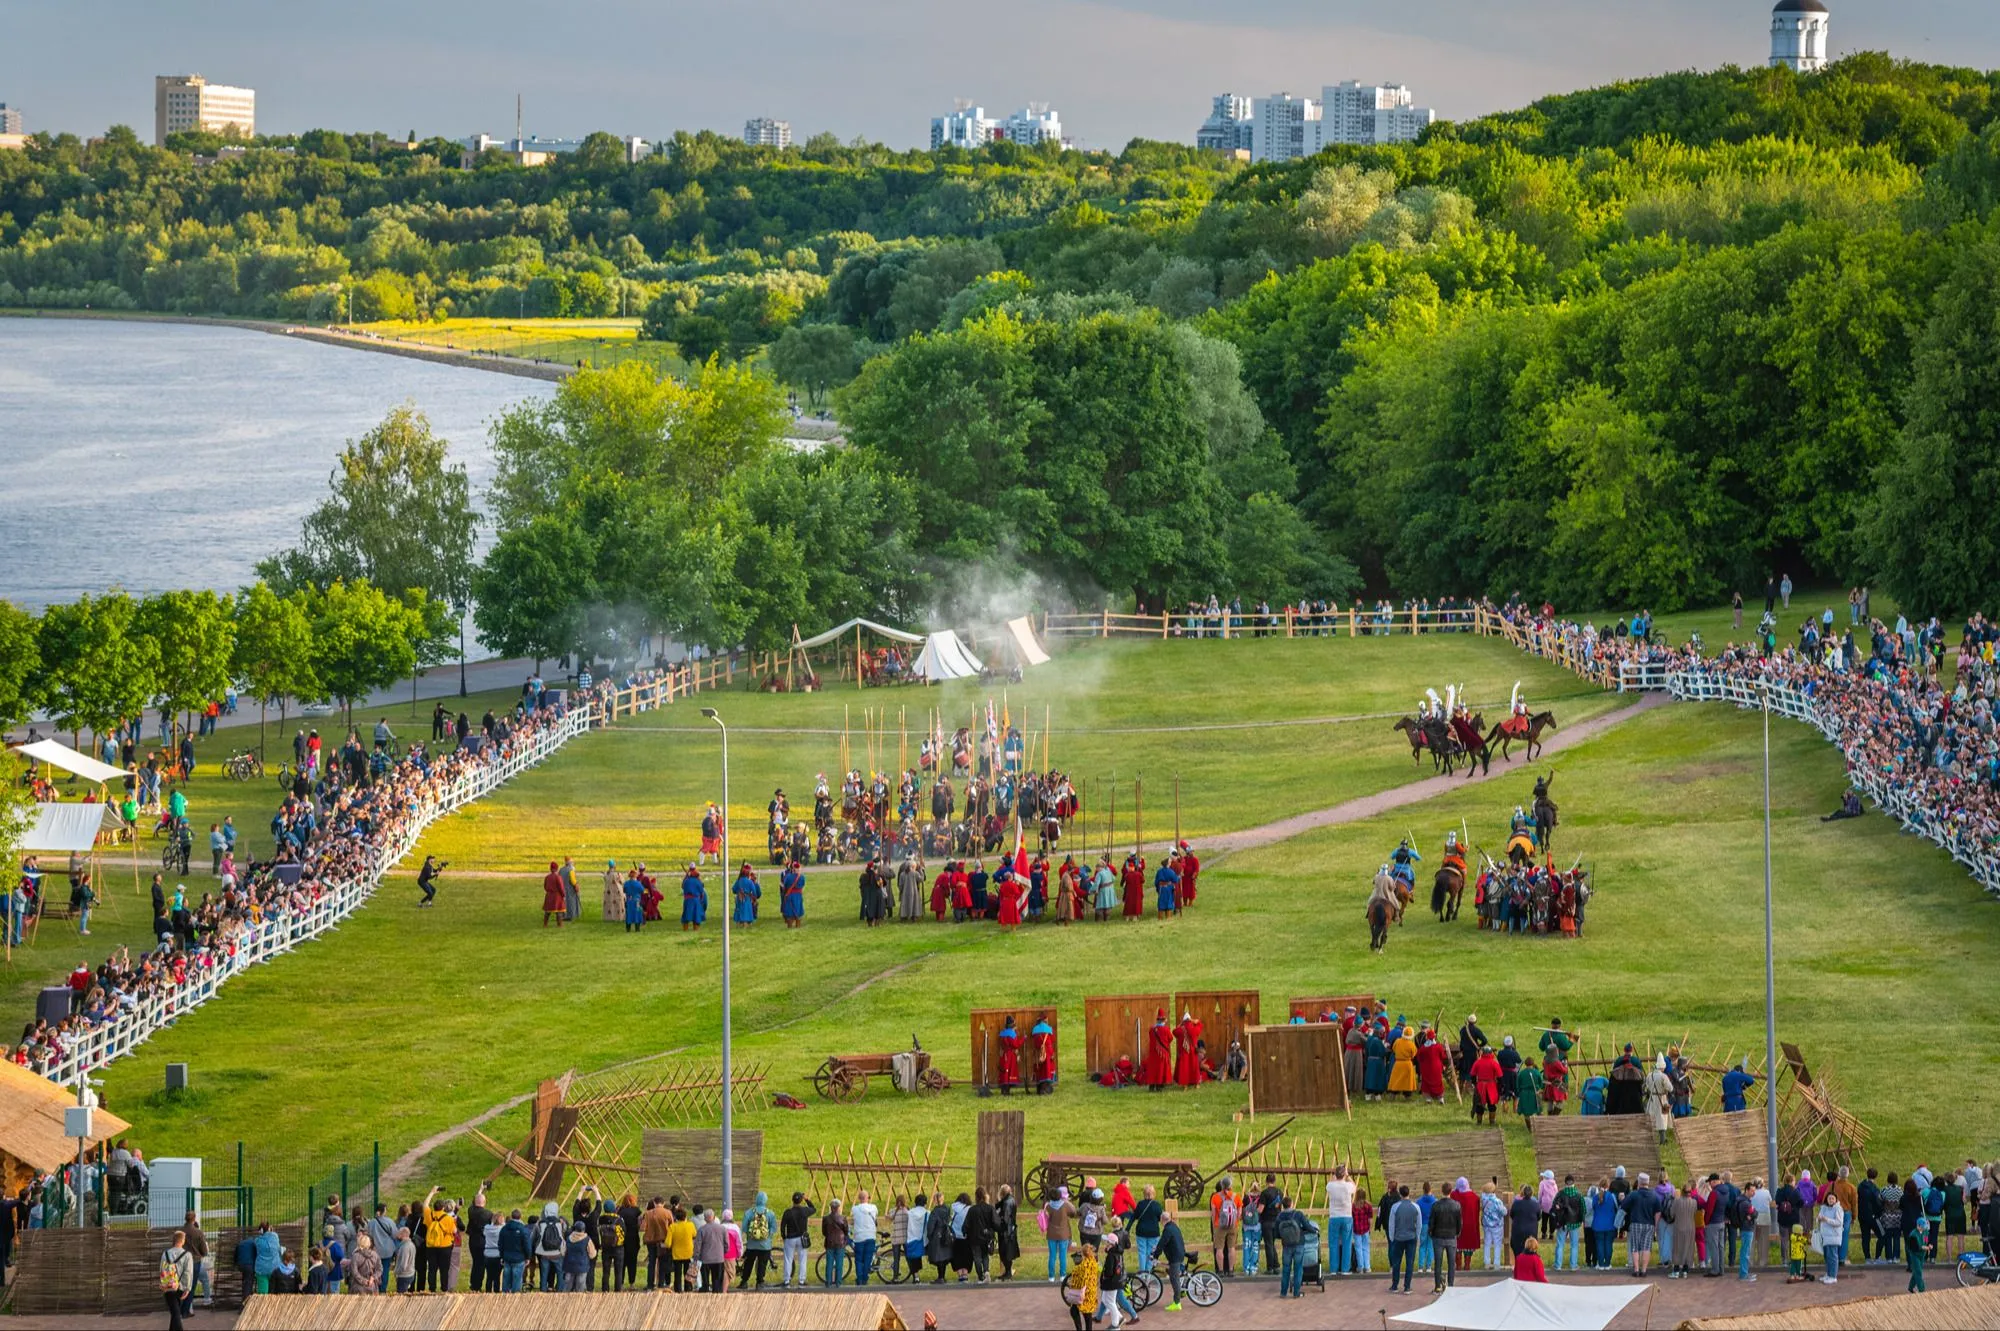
(1939, 1310)
(641, 1310)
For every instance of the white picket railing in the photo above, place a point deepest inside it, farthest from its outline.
(1789, 700)
(276, 936)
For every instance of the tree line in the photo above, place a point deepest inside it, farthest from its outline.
(1634, 345)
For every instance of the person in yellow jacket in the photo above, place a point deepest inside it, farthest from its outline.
(440, 1235)
(1403, 1074)
(680, 1247)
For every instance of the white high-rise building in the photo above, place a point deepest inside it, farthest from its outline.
(765, 132)
(1228, 128)
(183, 102)
(1283, 128)
(1355, 112)
(968, 126)
(1798, 35)
(10, 119)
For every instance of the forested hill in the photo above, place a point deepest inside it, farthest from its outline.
(1630, 345)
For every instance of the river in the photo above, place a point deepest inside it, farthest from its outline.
(151, 456)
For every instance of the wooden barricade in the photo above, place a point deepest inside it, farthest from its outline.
(1311, 1008)
(1116, 1024)
(1296, 1069)
(1002, 1133)
(987, 1023)
(1712, 1143)
(688, 1162)
(886, 1170)
(1591, 1148)
(1477, 1155)
(1224, 1014)
(1300, 1166)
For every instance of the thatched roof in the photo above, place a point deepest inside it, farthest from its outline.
(658, 1310)
(1940, 1310)
(31, 1119)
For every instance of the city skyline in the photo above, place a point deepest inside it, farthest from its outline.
(1121, 69)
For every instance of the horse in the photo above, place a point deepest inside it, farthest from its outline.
(1378, 924)
(1545, 821)
(1414, 730)
(1446, 891)
(1393, 890)
(1537, 723)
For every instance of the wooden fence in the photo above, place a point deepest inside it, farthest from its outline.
(1279, 622)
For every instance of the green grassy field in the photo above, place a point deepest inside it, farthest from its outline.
(404, 1023)
(595, 342)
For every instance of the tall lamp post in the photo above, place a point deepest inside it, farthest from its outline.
(728, 1079)
(1770, 968)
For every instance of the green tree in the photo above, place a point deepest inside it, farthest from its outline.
(817, 358)
(194, 638)
(1930, 528)
(533, 589)
(100, 670)
(363, 638)
(400, 516)
(700, 337)
(274, 650)
(20, 665)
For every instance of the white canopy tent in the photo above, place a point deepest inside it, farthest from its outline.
(57, 754)
(880, 630)
(1022, 632)
(65, 829)
(944, 657)
(1507, 1305)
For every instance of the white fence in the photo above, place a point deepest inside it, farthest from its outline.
(275, 937)
(1791, 701)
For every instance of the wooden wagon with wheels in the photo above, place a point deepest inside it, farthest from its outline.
(844, 1077)
(1179, 1179)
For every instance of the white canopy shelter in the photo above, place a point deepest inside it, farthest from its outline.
(880, 630)
(1527, 1305)
(944, 657)
(57, 754)
(63, 829)
(1023, 632)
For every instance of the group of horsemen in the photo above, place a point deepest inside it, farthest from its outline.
(866, 825)
(1526, 893)
(1452, 731)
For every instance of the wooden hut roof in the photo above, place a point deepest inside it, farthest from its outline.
(657, 1310)
(1939, 1310)
(31, 1119)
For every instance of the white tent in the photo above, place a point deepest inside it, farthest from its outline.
(62, 829)
(1023, 632)
(57, 754)
(1527, 1305)
(880, 630)
(944, 657)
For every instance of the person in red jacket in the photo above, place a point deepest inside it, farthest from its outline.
(554, 899)
(1156, 1068)
(1486, 1086)
(1190, 870)
(1134, 877)
(1528, 1266)
(1431, 1058)
(1187, 1062)
(1010, 1056)
(1010, 891)
(1042, 1052)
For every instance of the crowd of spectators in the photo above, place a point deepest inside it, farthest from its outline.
(335, 829)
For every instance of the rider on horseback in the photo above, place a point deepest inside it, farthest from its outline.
(1517, 714)
(1402, 864)
(1521, 836)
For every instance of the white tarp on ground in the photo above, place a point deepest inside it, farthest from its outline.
(57, 754)
(880, 630)
(59, 829)
(1527, 1305)
(945, 657)
(1031, 651)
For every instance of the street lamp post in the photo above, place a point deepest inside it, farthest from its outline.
(728, 1080)
(1770, 971)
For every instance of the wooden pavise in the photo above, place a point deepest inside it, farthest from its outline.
(583, 1131)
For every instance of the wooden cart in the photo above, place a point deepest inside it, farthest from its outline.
(1180, 1179)
(844, 1077)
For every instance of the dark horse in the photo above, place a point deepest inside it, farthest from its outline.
(1545, 812)
(1537, 723)
(1378, 925)
(1430, 735)
(1446, 891)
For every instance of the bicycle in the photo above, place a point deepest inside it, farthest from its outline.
(286, 774)
(243, 765)
(890, 1269)
(1976, 1268)
(174, 856)
(1201, 1287)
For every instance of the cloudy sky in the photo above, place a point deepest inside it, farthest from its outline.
(1114, 69)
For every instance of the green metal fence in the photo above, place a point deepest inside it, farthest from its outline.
(224, 1206)
(352, 1186)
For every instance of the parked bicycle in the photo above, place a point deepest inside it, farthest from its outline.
(1976, 1268)
(1202, 1288)
(891, 1268)
(243, 765)
(286, 774)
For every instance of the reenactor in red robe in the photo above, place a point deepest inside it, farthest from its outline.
(1156, 1068)
(1010, 892)
(1042, 1053)
(1134, 878)
(1431, 1057)
(1187, 1062)
(1190, 871)
(1486, 1087)
(1010, 1056)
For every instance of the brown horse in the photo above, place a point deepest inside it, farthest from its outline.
(1446, 891)
(1537, 723)
(1414, 729)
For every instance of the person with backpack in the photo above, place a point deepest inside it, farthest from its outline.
(1145, 1227)
(610, 1243)
(1224, 1210)
(1253, 1234)
(796, 1240)
(760, 1223)
(937, 1238)
(176, 1278)
(1568, 1213)
(382, 1233)
(1293, 1231)
(1789, 1208)
(1742, 1219)
(551, 1243)
(1269, 1204)
(1091, 1219)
